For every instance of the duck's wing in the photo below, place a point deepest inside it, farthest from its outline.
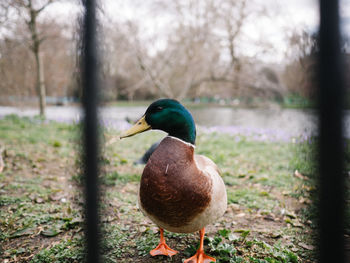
(218, 203)
(206, 165)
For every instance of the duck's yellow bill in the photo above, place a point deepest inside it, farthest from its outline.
(140, 126)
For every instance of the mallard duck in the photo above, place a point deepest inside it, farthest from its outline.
(179, 191)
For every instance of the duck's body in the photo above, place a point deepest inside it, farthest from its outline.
(179, 191)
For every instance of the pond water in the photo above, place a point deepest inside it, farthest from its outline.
(259, 124)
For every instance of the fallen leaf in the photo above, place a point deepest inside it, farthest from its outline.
(57, 196)
(22, 232)
(143, 229)
(291, 214)
(288, 221)
(107, 219)
(303, 245)
(234, 206)
(300, 176)
(2, 164)
(233, 237)
(303, 200)
(272, 235)
(294, 249)
(269, 218)
(39, 200)
(240, 215)
(50, 232)
(297, 224)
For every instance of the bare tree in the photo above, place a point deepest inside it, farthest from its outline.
(300, 72)
(30, 11)
(190, 55)
(4, 12)
(201, 48)
(200, 52)
(18, 66)
(15, 66)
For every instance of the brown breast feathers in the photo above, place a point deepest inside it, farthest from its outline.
(172, 188)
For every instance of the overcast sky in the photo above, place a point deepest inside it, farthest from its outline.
(287, 14)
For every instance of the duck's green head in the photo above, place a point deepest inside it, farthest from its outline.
(169, 116)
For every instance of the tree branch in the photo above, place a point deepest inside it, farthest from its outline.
(44, 6)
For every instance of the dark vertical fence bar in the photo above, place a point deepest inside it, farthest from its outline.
(90, 86)
(331, 94)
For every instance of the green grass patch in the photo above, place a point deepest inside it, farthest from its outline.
(70, 251)
(113, 178)
(16, 131)
(42, 160)
(252, 198)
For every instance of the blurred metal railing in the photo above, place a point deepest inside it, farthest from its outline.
(90, 82)
(331, 143)
(331, 147)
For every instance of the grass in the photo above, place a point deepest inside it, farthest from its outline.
(35, 202)
(267, 220)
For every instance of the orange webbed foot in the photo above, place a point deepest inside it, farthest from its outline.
(163, 249)
(200, 257)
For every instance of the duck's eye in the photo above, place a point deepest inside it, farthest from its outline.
(159, 108)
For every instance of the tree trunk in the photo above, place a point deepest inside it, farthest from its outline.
(40, 82)
(236, 77)
(36, 42)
